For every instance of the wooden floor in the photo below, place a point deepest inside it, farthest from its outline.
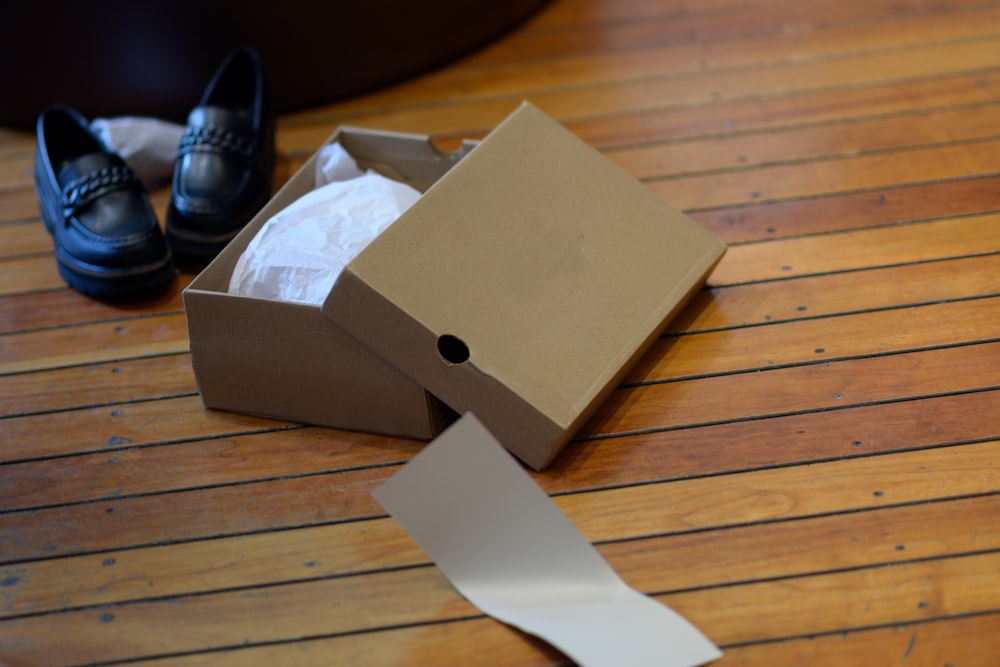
(807, 466)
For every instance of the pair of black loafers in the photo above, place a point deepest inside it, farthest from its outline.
(107, 238)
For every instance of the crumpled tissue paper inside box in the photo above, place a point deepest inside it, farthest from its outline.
(299, 252)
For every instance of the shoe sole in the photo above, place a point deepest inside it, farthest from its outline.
(101, 282)
(192, 247)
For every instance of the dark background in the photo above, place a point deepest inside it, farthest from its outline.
(128, 57)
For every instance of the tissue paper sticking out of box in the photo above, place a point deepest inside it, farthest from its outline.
(148, 145)
(299, 252)
(510, 551)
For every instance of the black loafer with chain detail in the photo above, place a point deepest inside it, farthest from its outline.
(107, 239)
(225, 161)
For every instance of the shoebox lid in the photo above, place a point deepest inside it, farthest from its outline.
(525, 282)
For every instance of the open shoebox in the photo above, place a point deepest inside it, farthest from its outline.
(528, 278)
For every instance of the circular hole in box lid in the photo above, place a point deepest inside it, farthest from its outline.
(452, 349)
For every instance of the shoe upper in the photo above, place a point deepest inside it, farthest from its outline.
(223, 170)
(93, 204)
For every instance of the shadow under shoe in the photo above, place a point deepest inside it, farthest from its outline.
(225, 161)
(107, 239)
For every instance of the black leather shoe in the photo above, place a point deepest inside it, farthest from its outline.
(107, 239)
(225, 160)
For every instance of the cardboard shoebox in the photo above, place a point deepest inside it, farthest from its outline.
(522, 285)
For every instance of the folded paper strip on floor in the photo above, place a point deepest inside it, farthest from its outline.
(522, 285)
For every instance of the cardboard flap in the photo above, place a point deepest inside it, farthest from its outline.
(524, 282)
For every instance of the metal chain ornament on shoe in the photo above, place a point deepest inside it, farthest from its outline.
(217, 138)
(88, 188)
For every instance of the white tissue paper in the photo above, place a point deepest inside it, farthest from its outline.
(299, 252)
(148, 145)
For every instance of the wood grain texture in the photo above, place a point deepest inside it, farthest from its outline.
(936, 642)
(63, 307)
(804, 464)
(877, 536)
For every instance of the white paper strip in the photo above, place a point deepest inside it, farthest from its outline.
(510, 551)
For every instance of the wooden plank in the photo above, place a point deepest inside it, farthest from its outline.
(824, 295)
(962, 640)
(720, 352)
(794, 607)
(776, 441)
(863, 248)
(19, 204)
(94, 343)
(832, 602)
(24, 237)
(809, 179)
(91, 385)
(703, 27)
(13, 140)
(573, 13)
(585, 464)
(631, 127)
(171, 376)
(800, 388)
(141, 471)
(24, 274)
(673, 92)
(640, 61)
(121, 633)
(874, 537)
(124, 520)
(42, 310)
(706, 353)
(828, 543)
(205, 513)
(779, 493)
(843, 139)
(27, 480)
(458, 643)
(110, 428)
(16, 168)
(819, 340)
(672, 123)
(881, 206)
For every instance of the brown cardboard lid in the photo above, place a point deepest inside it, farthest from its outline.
(524, 282)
